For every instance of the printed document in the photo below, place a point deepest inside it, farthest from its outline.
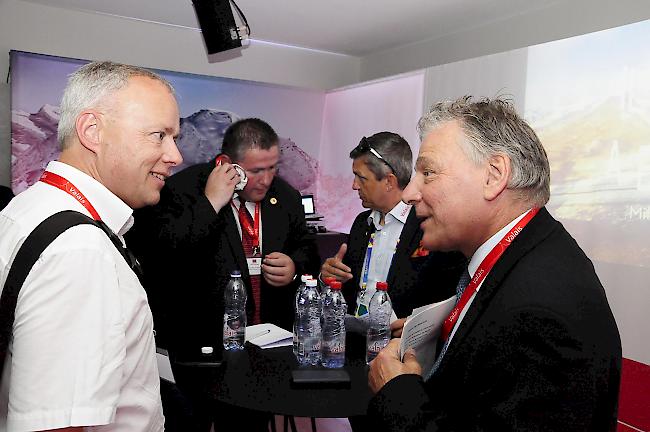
(268, 335)
(422, 330)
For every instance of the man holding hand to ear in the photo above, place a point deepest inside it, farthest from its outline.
(385, 241)
(210, 222)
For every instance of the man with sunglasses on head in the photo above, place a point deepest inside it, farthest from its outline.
(384, 241)
(210, 221)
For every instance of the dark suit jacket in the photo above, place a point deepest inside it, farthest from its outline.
(412, 280)
(187, 252)
(538, 349)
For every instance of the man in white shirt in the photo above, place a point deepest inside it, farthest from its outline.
(532, 343)
(83, 353)
(385, 241)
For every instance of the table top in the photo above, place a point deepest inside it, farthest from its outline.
(261, 380)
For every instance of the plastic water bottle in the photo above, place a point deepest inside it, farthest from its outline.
(234, 316)
(309, 330)
(380, 310)
(333, 345)
(298, 350)
(325, 286)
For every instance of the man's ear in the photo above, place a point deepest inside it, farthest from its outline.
(88, 127)
(497, 176)
(391, 182)
(223, 158)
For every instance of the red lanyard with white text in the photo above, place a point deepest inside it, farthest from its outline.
(66, 186)
(253, 231)
(482, 271)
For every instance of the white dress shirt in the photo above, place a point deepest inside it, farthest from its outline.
(83, 351)
(250, 206)
(386, 239)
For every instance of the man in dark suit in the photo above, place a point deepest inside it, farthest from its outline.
(197, 232)
(382, 166)
(532, 344)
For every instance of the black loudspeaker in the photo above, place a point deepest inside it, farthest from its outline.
(220, 32)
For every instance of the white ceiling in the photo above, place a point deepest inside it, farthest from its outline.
(351, 27)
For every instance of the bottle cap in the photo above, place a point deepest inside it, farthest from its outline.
(382, 286)
(336, 285)
(304, 278)
(328, 280)
(311, 283)
(206, 350)
(235, 273)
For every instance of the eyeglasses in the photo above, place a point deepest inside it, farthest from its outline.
(364, 147)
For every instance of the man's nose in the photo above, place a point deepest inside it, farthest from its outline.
(411, 194)
(267, 177)
(172, 155)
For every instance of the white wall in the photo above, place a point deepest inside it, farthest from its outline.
(561, 20)
(392, 105)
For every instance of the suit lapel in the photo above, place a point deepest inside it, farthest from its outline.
(271, 214)
(234, 239)
(408, 242)
(537, 230)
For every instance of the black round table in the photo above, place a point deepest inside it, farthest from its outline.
(260, 379)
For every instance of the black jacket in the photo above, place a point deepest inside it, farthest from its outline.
(187, 251)
(538, 350)
(412, 280)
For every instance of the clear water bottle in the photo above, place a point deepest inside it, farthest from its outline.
(333, 345)
(309, 330)
(298, 350)
(234, 316)
(380, 310)
(325, 286)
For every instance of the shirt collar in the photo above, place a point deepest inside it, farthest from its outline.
(115, 213)
(486, 247)
(400, 213)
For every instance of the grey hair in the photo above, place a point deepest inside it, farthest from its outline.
(90, 86)
(493, 127)
(395, 150)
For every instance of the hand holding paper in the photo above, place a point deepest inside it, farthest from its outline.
(422, 329)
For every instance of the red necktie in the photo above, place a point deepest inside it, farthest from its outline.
(247, 244)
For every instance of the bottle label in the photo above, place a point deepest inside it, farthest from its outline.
(336, 347)
(376, 346)
(228, 332)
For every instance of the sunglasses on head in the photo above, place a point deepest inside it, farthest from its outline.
(364, 147)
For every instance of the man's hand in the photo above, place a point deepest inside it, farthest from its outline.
(387, 365)
(278, 269)
(334, 267)
(221, 185)
(396, 327)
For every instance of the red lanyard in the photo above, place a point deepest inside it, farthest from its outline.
(482, 271)
(63, 184)
(253, 231)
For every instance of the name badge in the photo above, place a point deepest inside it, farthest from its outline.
(254, 265)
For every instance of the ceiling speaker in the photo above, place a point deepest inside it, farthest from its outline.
(220, 32)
